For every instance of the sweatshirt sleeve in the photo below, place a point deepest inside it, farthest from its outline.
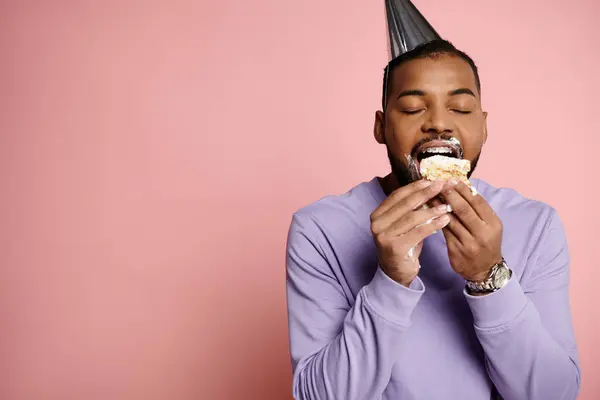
(526, 329)
(341, 350)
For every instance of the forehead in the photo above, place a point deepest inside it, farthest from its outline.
(441, 73)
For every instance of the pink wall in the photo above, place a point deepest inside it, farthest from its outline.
(151, 157)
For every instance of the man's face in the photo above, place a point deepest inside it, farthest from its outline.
(432, 103)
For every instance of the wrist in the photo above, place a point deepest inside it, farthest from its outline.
(402, 279)
(478, 277)
(497, 277)
(391, 300)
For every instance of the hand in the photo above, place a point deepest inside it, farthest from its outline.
(400, 224)
(474, 234)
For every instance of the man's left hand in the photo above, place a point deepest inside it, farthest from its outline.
(474, 234)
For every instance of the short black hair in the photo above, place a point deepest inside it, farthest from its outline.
(434, 48)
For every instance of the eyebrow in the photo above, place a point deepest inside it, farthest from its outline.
(421, 93)
(411, 93)
(462, 91)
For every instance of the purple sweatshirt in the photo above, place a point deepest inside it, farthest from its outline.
(355, 334)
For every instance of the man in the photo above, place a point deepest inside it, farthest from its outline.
(388, 299)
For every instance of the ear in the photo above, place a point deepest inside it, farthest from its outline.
(485, 131)
(379, 127)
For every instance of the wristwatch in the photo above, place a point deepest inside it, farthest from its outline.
(499, 276)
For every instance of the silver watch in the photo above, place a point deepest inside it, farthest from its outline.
(499, 276)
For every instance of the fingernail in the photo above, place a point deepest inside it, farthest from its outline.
(449, 208)
(453, 182)
(424, 183)
(444, 219)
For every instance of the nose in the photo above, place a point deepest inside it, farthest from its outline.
(438, 121)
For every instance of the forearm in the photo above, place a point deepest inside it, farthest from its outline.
(357, 363)
(523, 360)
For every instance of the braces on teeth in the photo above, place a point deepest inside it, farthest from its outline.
(439, 150)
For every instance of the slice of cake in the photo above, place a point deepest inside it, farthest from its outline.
(441, 167)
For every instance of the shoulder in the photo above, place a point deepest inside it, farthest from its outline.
(514, 206)
(336, 224)
(336, 211)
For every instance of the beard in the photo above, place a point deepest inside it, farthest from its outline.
(406, 174)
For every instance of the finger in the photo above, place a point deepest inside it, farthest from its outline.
(398, 195)
(477, 202)
(411, 202)
(422, 232)
(464, 212)
(417, 218)
(456, 230)
(449, 235)
(436, 201)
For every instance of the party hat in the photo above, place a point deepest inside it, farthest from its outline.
(407, 29)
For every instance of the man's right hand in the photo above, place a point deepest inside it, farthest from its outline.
(400, 224)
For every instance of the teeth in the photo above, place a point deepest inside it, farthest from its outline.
(439, 150)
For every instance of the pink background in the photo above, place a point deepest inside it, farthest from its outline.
(152, 156)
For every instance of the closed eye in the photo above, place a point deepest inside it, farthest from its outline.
(461, 111)
(410, 112)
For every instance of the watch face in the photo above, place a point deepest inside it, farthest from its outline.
(501, 276)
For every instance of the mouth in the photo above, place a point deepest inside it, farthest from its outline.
(448, 148)
(437, 148)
